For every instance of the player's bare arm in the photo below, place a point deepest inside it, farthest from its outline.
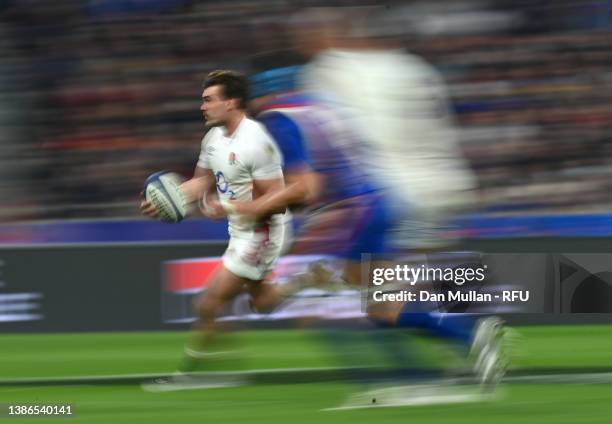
(301, 188)
(201, 190)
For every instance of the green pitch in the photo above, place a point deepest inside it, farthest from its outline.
(73, 355)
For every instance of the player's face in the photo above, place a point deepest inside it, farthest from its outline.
(215, 107)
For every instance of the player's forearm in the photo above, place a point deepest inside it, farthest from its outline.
(194, 189)
(202, 182)
(300, 189)
(278, 201)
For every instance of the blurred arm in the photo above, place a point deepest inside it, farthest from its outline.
(201, 189)
(202, 182)
(275, 197)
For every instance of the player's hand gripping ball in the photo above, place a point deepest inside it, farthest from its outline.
(163, 190)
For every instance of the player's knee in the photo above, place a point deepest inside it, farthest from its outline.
(264, 297)
(262, 304)
(256, 304)
(207, 305)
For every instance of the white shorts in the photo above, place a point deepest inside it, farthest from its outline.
(252, 255)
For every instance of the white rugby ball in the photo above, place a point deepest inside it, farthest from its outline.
(163, 190)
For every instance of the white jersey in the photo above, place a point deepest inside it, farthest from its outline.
(398, 103)
(248, 154)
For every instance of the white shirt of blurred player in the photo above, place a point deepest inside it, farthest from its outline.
(399, 103)
(248, 154)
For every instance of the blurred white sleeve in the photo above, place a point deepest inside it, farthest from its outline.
(266, 159)
(203, 161)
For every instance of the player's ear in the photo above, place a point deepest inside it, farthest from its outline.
(233, 104)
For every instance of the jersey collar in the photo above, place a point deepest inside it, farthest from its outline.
(233, 136)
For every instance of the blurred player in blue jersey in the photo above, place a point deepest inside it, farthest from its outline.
(406, 158)
(398, 103)
(346, 214)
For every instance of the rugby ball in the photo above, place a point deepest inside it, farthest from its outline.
(163, 190)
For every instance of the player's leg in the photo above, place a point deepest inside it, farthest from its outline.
(318, 238)
(265, 296)
(204, 343)
(481, 337)
(371, 235)
(203, 348)
(246, 262)
(487, 351)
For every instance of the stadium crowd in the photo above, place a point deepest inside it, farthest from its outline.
(94, 96)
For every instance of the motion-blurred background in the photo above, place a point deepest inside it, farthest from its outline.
(97, 94)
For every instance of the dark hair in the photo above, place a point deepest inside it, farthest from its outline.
(235, 85)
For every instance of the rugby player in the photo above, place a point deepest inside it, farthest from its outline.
(238, 161)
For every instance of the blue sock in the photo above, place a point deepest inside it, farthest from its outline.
(452, 326)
